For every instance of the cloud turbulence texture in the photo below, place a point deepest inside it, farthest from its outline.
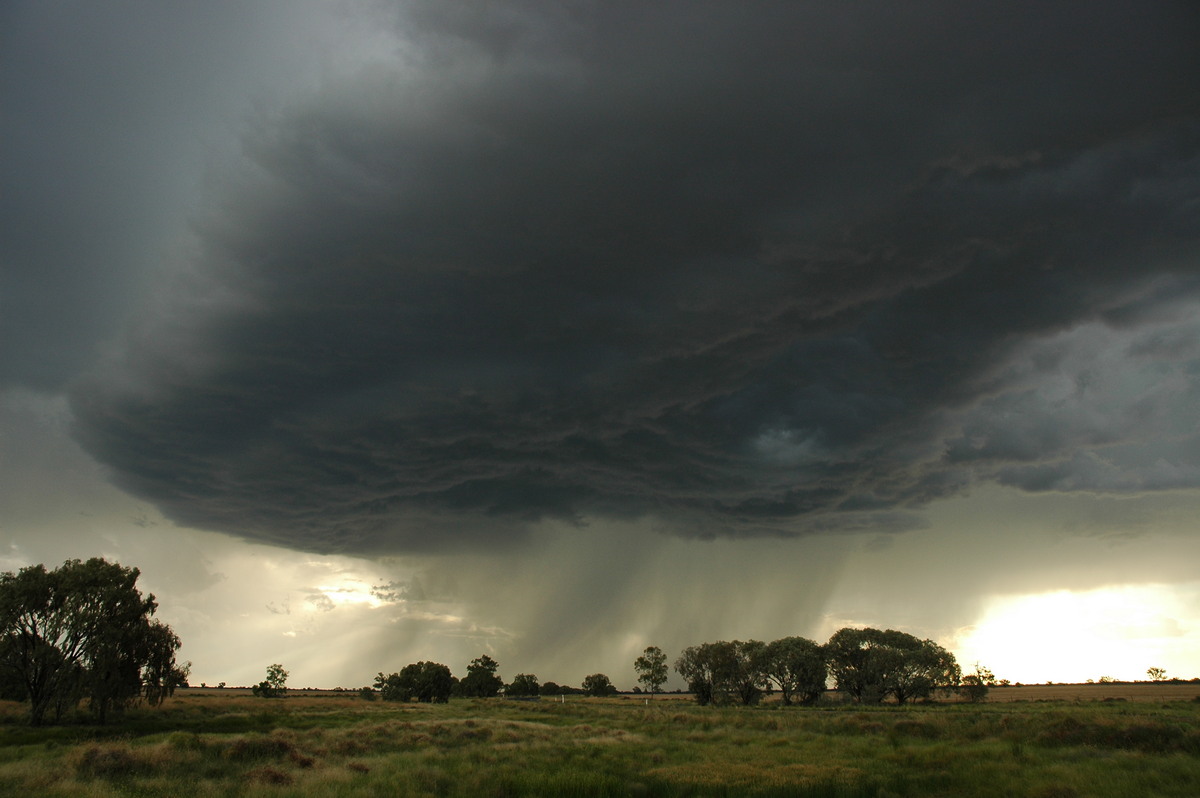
(773, 268)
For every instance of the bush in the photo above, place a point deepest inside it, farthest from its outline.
(275, 685)
(975, 685)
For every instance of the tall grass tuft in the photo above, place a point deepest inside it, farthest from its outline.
(109, 761)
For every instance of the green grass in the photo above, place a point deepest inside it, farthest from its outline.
(243, 746)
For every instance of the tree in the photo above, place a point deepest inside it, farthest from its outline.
(160, 673)
(430, 682)
(698, 667)
(796, 665)
(426, 682)
(82, 630)
(651, 669)
(871, 664)
(275, 685)
(975, 686)
(746, 678)
(599, 685)
(723, 672)
(390, 688)
(855, 664)
(523, 684)
(922, 666)
(481, 680)
(1156, 674)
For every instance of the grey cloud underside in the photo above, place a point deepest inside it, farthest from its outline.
(109, 111)
(752, 273)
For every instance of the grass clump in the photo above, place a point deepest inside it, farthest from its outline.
(251, 749)
(109, 761)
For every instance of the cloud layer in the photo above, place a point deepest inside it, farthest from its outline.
(778, 270)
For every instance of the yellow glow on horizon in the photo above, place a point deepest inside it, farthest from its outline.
(1068, 636)
(351, 593)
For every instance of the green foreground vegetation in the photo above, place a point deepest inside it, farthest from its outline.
(221, 745)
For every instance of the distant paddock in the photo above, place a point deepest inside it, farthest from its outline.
(1117, 691)
(1130, 691)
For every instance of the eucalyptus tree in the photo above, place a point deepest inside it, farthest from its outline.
(481, 680)
(723, 672)
(426, 682)
(523, 684)
(796, 665)
(871, 664)
(651, 669)
(83, 631)
(275, 685)
(598, 684)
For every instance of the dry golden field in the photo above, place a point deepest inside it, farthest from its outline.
(1131, 691)
(1115, 691)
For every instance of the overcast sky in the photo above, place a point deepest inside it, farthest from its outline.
(383, 331)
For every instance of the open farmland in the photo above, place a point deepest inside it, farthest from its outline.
(1113, 691)
(1116, 691)
(330, 744)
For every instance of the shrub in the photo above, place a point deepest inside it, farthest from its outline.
(275, 685)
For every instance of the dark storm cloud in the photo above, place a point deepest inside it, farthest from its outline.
(764, 270)
(109, 113)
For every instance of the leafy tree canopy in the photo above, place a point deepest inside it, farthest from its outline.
(427, 682)
(651, 668)
(523, 684)
(975, 686)
(83, 630)
(598, 684)
(871, 664)
(723, 672)
(275, 685)
(796, 665)
(481, 680)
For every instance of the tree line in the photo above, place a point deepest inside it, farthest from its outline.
(432, 682)
(868, 665)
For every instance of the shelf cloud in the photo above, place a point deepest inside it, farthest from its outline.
(773, 270)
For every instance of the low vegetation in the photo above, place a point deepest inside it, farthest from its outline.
(221, 745)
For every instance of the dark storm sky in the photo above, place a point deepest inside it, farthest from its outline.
(771, 268)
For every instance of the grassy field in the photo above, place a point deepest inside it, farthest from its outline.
(310, 745)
